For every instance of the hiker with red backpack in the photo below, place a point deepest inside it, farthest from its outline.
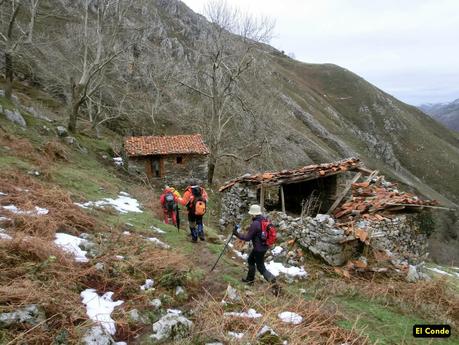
(195, 199)
(263, 235)
(169, 202)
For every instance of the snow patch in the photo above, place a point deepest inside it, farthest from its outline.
(158, 242)
(148, 284)
(157, 230)
(277, 250)
(4, 236)
(119, 257)
(3, 194)
(243, 256)
(99, 308)
(71, 244)
(118, 161)
(236, 335)
(174, 311)
(290, 317)
(124, 203)
(251, 314)
(127, 233)
(38, 210)
(439, 271)
(277, 268)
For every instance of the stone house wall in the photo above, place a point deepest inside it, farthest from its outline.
(192, 166)
(235, 203)
(400, 237)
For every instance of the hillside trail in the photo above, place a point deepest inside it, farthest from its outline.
(204, 259)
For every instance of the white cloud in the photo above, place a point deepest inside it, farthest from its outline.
(397, 45)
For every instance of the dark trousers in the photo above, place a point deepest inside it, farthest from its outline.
(196, 226)
(256, 260)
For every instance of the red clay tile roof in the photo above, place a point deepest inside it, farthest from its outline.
(165, 145)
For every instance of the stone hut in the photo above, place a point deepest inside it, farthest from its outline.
(172, 159)
(327, 211)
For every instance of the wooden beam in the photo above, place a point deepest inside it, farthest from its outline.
(343, 193)
(422, 206)
(282, 198)
(262, 197)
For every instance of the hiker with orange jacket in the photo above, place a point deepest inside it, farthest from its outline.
(169, 201)
(195, 199)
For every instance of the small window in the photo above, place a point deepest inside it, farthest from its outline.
(179, 160)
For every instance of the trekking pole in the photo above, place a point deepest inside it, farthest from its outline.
(224, 248)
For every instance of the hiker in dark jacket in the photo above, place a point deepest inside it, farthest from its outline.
(256, 258)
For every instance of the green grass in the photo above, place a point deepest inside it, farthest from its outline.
(381, 323)
(8, 162)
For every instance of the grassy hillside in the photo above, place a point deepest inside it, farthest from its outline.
(375, 309)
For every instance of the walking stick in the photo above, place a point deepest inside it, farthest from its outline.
(224, 248)
(177, 215)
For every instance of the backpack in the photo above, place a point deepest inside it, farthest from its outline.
(198, 204)
(268, 232)
(170, 201)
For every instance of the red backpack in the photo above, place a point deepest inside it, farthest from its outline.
(268, 232)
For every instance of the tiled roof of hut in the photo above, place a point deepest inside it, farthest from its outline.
(308, 172)
(165, 145)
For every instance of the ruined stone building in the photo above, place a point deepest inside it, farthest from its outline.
(339, 211)
(172, 159)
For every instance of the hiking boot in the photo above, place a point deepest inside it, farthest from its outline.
(202, 238)
(247, 281)
(194, 240)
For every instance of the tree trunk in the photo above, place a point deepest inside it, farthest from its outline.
(75, 108)
(211, 170)
(9, 75)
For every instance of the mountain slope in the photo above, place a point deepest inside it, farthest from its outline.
(446, 113)
(294, 113)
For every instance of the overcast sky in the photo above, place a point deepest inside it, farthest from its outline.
(408, 48)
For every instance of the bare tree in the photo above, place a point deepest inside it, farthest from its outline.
(221, 69)
(84, 58)
(13, 42)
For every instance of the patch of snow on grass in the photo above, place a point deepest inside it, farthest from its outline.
(71, 244)
(277, 250)
(157, 230)
(277, 268)
(127, 233)
(148, 284)
(174, 311)
(99, 308)
(118, 161)
(251, 314)
(38, 210)
(3, 194)
(439, 271)
(290, 317)
(236, 335)
(123, 203)
(119, 257)
(158, 242)
(4, 236)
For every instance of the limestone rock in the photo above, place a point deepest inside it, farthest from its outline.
(171, 326)
(97, 336)
(61, 131)
(31, 314)
(155, 303)
(15, 116)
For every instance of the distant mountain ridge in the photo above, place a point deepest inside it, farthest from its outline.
(446, 113)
